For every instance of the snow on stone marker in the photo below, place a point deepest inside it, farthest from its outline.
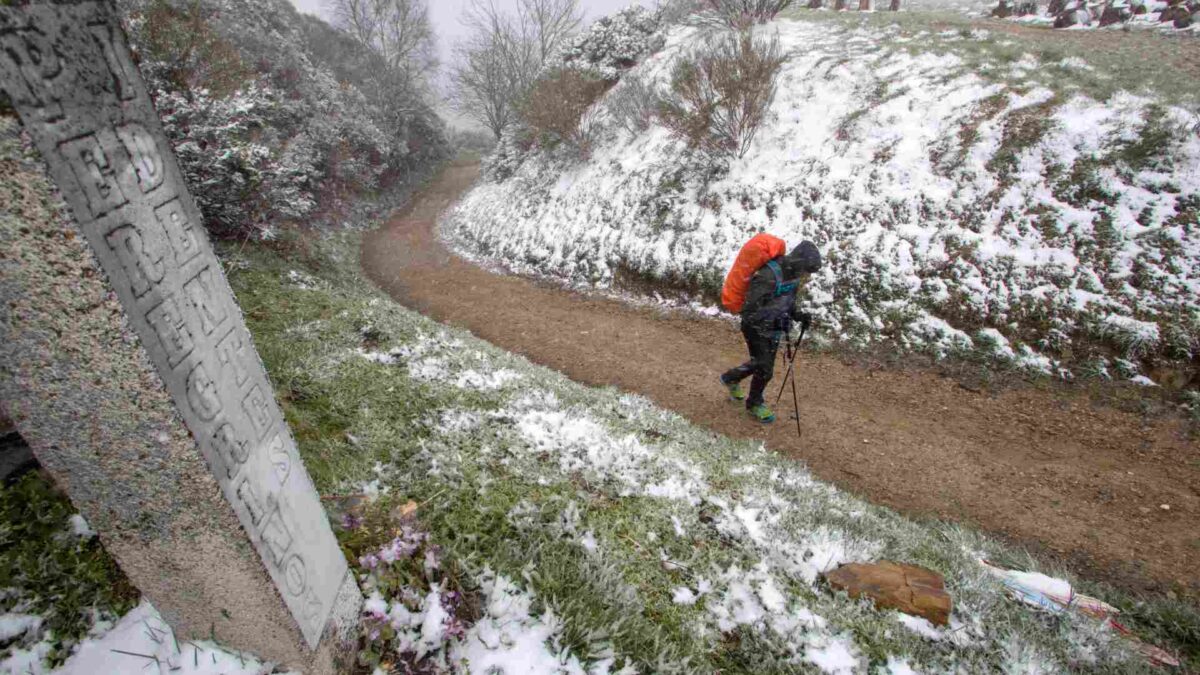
(135, 380)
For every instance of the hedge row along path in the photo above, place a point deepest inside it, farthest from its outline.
(1073, 480)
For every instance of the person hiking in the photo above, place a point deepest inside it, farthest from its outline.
(767, 315)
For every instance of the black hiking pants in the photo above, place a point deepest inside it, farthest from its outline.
(763, 341)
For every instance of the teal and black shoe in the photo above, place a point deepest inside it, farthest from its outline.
(734, 389)
(762, 413)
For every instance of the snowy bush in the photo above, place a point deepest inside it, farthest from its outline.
(613, 44)
(1135, 338)
(511, 150)
(720, 94)
(274, 115)
(242, 184)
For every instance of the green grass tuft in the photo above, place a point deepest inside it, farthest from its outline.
(47, 570)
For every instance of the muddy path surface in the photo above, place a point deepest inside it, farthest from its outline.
(1081, 482)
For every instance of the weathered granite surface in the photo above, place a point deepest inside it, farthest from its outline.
(125, 362)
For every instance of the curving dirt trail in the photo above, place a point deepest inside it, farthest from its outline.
(1052, 471)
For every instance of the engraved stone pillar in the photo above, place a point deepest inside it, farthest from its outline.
(127, 366)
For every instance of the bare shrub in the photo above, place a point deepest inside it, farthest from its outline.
(742, 14)
(182, 42)
(720, 94)
(634, 104)
(559, 107)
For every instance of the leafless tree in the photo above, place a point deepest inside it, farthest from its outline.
(550, 23)
(398, 30)
(496, 65)
(745, 13)
(483, 84)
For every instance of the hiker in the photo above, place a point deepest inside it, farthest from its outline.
(768, 311)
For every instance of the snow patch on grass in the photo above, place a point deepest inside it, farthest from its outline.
(80, 527)
(510, 638)
(837, 656)
(141, 642)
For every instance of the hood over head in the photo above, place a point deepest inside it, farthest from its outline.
(804, 259)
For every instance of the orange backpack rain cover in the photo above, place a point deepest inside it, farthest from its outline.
(762, 248)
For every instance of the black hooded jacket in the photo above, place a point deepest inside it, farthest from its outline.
(800, 262)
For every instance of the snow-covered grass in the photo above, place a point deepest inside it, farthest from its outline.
(57, 584)
(959, 186)
(1097, 65)
(142, 642)
(588, 530)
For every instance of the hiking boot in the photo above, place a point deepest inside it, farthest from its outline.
(735, 389)
(762, 413)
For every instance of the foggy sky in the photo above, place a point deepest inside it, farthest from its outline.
(447, 12)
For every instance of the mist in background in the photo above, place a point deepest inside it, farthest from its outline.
(446, 13)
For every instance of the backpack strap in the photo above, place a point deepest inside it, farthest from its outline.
(781, 288)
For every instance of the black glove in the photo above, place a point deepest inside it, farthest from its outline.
(804, 319)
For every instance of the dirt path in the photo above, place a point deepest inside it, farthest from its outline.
(1081, 482)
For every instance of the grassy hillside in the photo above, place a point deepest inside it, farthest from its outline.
(974, 192)
(539, 520)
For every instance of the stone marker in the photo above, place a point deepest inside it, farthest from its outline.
(127, 366)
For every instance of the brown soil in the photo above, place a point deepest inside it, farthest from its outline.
(1052, 470)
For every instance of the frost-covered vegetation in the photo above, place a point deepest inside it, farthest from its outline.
(57, 584)
(499, 514)
(969, 196)
(612, 44)
(275, 116)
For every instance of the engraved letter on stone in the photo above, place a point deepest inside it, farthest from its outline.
(179, 231)
(118, 66)
(142, 263)
(202, 394)
(95, 174)
(144, 153)
(200, 291)
(232, 450)
(173, 333)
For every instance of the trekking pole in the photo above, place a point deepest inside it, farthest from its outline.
(795, 397)
(792, 350)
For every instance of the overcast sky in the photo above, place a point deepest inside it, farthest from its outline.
(446, 13)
